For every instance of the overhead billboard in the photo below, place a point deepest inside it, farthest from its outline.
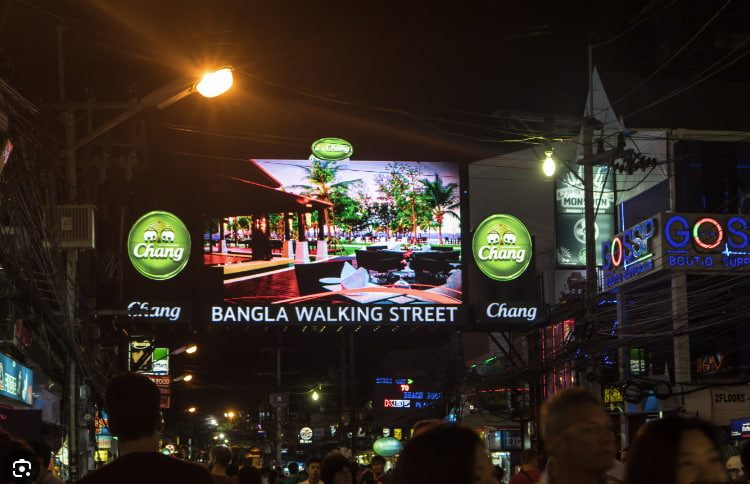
(316, 241)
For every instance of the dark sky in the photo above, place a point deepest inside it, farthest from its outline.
(400, 80)
(403, 74)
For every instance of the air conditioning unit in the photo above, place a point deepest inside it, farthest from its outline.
(75, 226)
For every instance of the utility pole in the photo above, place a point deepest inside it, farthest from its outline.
(71, 265)
(589, 216)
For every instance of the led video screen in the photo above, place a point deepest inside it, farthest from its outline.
(338, 242)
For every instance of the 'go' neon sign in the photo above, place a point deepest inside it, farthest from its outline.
(629, 247)
(707, 233)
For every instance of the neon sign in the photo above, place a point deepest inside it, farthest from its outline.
(630, 247)
(630, 254)
(687, 242)
(715, 241)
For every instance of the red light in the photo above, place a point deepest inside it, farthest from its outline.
(697, 233)
(619, 259)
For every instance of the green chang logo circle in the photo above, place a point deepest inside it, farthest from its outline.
(501, 247)
(159, 245)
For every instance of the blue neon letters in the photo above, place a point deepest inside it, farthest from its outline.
(629, 247)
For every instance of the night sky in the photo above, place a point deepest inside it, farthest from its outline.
(400, 80)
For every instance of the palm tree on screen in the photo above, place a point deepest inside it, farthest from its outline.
(442, 201)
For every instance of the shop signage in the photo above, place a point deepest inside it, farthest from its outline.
(512, 440)
(162, 382)
(161, 361)
(512, 311)
(710, 364)
(399, 393)
(570, 213)
(707, 242)
(16, 381)
(679, 241)
(305, 433)
(728, 403)
(159, 245)
(632, 254)
(387, 446)
(140, 355)
(339, 314)
(332, 149)
(739, 428)
(159, 312)
(502, 247)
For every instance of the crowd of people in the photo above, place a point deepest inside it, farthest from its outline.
(578, 435)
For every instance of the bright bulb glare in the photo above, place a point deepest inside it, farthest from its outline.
(315, 395)
(215, 83)
(230, 414)
(187, 378)
(549, 164)
(191, 349)
(191, 409)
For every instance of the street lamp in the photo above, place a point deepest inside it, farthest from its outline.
(189, 349)
(209, 85)
(215, 83)
(188, 377)
(549, 164)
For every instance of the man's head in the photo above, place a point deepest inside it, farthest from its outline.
(221, 456)
(577, 431)
(745, 458)
(132, 402)
(44, 456)
(313, 469)
(378, 464)
(293, 468)
(734, 469)
(529, 458)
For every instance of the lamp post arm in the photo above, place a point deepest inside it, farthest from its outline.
(161, 98)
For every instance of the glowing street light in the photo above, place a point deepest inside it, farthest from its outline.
(210, 85)
(549, 164)
(215, 83)
(187, 378)
(315, 396)
(189, 349)
(192, 410)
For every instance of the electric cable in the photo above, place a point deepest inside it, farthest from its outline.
(674, 55)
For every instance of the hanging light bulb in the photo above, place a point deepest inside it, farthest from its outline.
(549, 164)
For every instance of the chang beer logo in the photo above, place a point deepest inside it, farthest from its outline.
(332, 149)
(159, 245)
(502, 247)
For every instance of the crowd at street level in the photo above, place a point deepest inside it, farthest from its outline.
(579, 445)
